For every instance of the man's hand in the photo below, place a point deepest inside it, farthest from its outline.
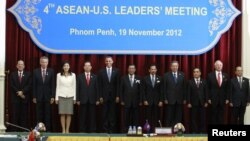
(205, 105)
(117, 99)
(78, 103)
(19, 93)
(227, 101)
(52, 100)
(209, 101)
(231, 104)
(166, 101)
(122, 103)
(23, 96)
(101, 100)
(146, 103)
(189, 105)
(160, 104)
(184, 102)
(97, 103)
(34, 100)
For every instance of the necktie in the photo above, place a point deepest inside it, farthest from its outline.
(240, 81)
(88, 79)
(175, 78)
(219, 79)
(131, 80)
(43, 75)
(20, 77)
(153, 80)
(109, 74)
(197, 83)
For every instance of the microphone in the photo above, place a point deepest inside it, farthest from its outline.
(7, 123)
(159, 121)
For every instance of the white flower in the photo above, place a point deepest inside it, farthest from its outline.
(179, 127)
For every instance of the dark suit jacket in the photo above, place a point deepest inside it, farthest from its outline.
(131, 96)
(197, 95)
(109, 90)
(174, 92)
(239, 95)
(43, 92)
(153, 95)
(25, 86)
(217, 95)
(87, 94)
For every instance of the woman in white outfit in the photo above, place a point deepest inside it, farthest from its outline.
(65, 95)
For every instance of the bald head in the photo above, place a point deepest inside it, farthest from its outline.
(218, 65)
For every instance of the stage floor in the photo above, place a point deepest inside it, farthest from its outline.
(16, 136)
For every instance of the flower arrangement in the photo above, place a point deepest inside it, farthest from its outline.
(179, 129)
(35, 134)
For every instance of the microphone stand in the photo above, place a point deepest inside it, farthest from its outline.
(160, 123)
(7, 123)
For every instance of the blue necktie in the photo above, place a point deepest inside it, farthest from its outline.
(175, 78)
(153, 80)
(109, 74)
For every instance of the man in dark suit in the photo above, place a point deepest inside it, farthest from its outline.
(130, 94)
(239, 96)
(153, 96)
(109, 79)
(20, 93)
(174, 94)
(87, 97)
(43, 91)
(217, 92)
(197, 101)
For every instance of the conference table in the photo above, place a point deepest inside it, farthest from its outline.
(12, 136)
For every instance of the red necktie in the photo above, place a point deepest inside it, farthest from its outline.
(88, 79)
(20, 77)
(219, 79)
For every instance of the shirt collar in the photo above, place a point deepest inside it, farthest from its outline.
(197, 79)
(20, 72)
(218, 72)
(108, 68)
(132, 75)
(87, 73)
(43, 69)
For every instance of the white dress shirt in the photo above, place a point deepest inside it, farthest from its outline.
(66, 86)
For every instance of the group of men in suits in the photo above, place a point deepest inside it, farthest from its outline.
(131, 91)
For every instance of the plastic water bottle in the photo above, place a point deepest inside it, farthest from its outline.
(130, 130)
(134, 130)
(139, 130)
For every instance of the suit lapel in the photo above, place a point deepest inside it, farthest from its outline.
(149, 81)
(128, 80)
(215, 79)
(84, 79)
(194, 83)
(237, 82)
(106, 74)
(40, 74)
(112, 74)
(90, 79)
